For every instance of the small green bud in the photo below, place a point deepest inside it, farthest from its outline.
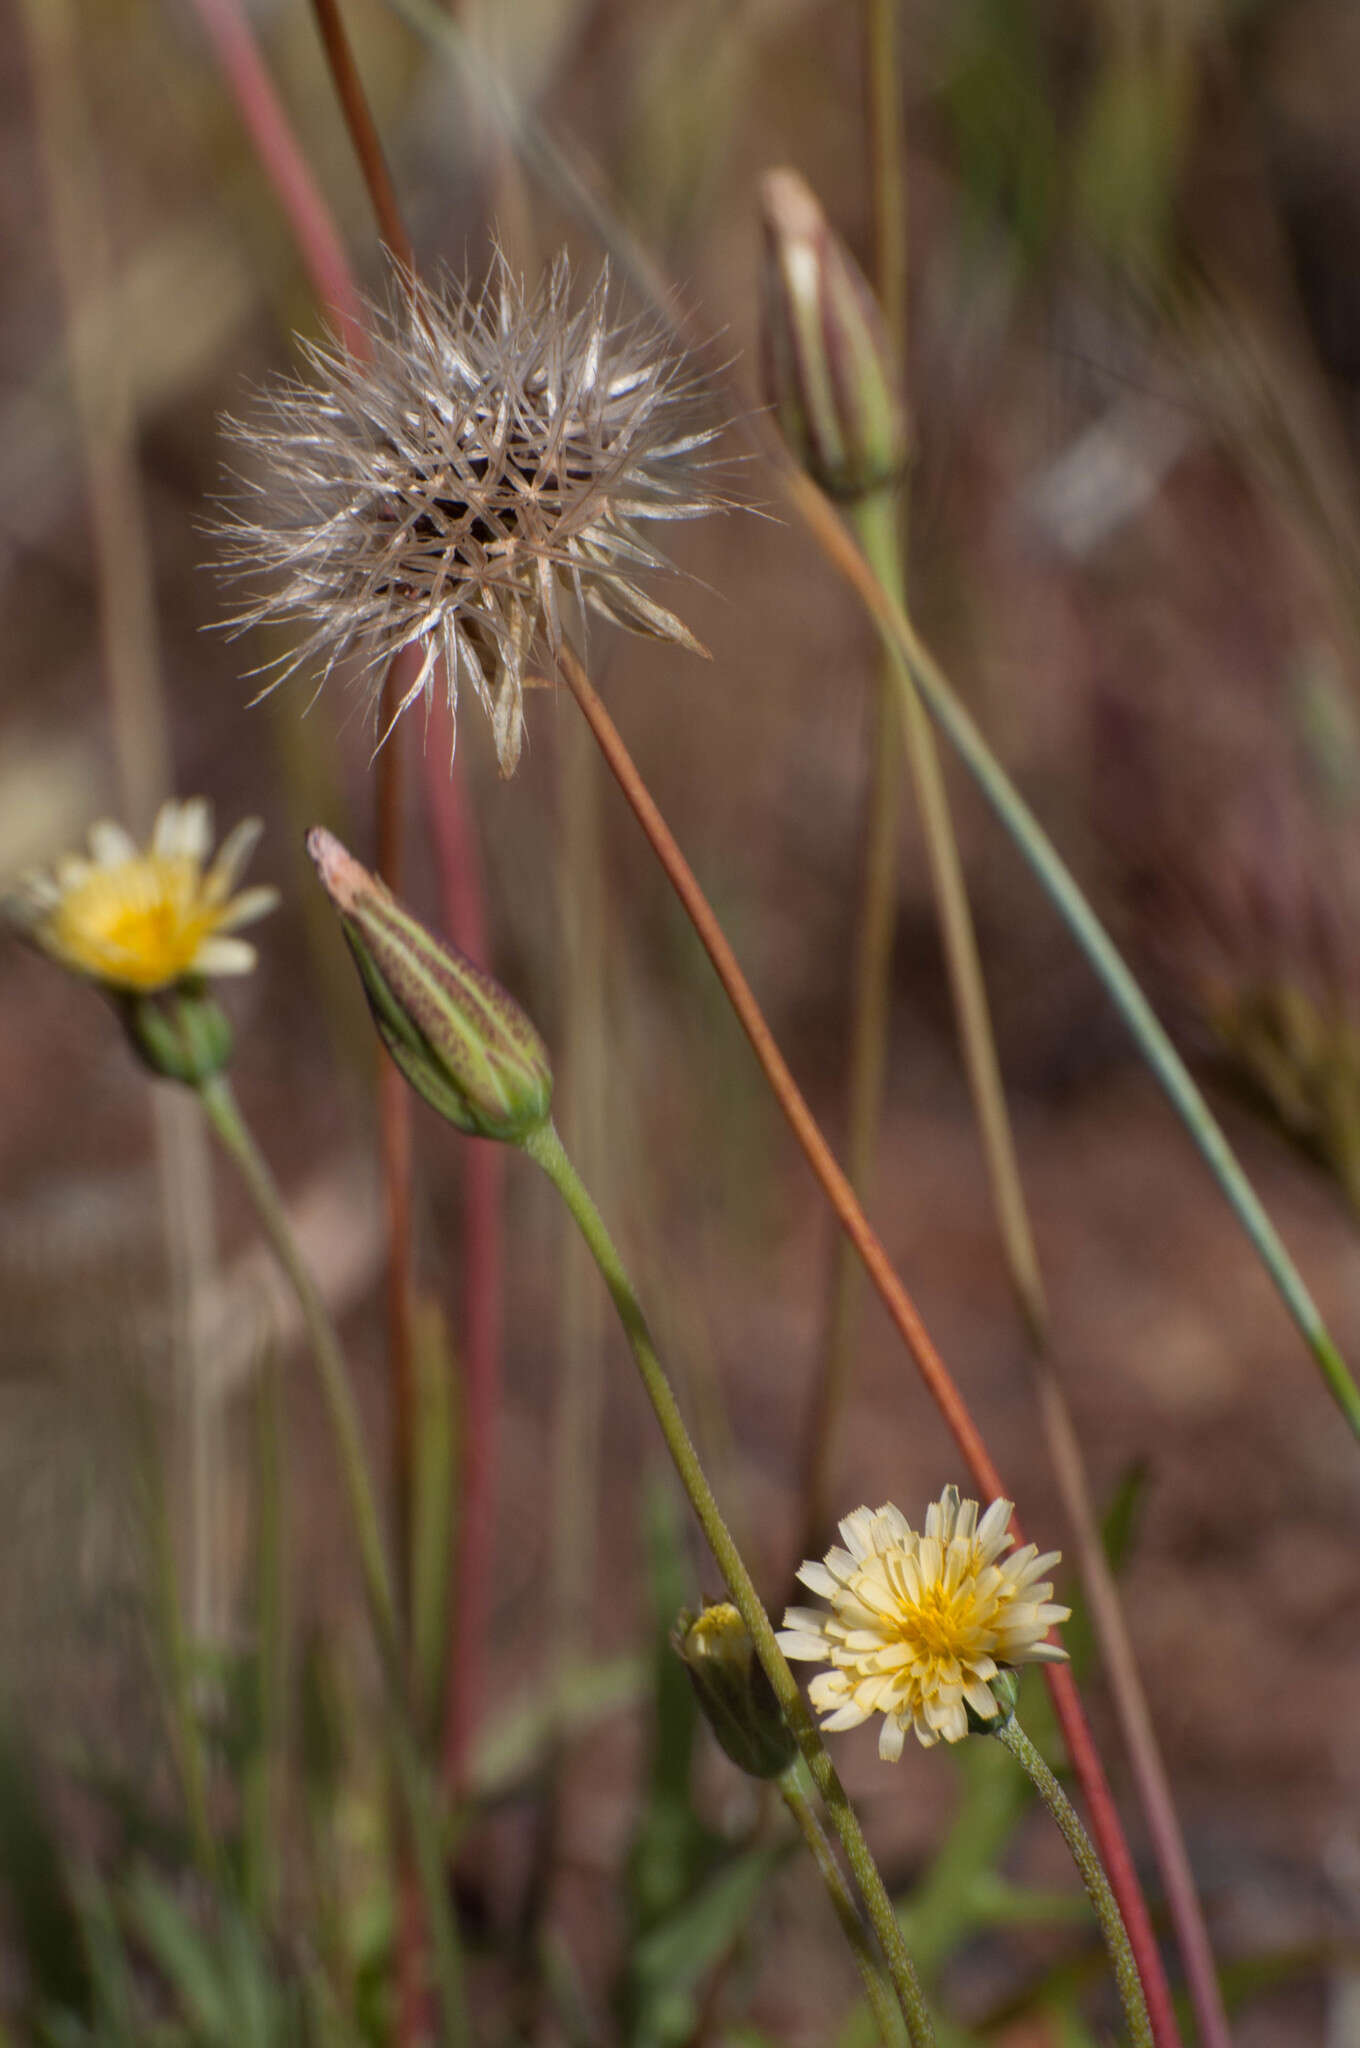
(733, 1691)
(1005, 1690)
(180, 1033)
(460, 1040)
(828, 370)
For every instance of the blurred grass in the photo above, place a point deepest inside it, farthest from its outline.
(1102, 207)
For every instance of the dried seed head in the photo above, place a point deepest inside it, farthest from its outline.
(491, 453)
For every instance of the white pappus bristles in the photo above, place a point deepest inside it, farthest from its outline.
(491, 454)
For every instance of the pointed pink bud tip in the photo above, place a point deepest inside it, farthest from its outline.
(342, 878)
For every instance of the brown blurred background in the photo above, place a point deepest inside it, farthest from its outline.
(1134, 344)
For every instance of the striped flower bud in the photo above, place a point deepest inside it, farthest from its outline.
(827, 366)
(456, 1035)
(736, 1697)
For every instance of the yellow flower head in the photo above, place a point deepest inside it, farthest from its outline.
(143, 920)
(919, 1624)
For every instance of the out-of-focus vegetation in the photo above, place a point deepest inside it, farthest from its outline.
(1133, 355)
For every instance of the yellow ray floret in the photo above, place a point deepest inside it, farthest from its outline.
(143, 919)
(919, 1625)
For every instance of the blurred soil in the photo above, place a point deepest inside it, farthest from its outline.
(1149, 686)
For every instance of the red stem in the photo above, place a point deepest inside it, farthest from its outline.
(461, 895)
(285, 166)
(1105, 1822)
(363, 131)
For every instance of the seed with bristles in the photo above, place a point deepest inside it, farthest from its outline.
(490, 455)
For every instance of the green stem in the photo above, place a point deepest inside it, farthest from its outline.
(1133, 1006)
(546, 1148)
(417, 1786)
(1063, 891)
(875, 522)
(793, 1788)
(225, 1117)
(1014, 1738)
(973, 1018)
(185, 1734)
(868, 1060)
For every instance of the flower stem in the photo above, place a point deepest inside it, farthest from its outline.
(878, 890)
(793, 1789)
(546, 1147)
(973, 1020)
(483, 1271)
(363, 131)
(418, 1792)
(1014, 1738)
(224, 1115)
(285, 164)
(899, 1304)
(868, 1060)
(1061, 887)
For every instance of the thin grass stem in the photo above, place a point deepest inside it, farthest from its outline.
(545, 1146)
(418, 1791)
(1061, 887)
(105, 413)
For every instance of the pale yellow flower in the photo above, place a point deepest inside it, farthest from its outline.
(920, 1624)
(138, 919)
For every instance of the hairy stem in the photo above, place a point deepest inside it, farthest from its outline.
(793, 1789)
(1014, 1738)
(545, 1146)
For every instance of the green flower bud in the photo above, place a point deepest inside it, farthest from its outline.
(828, 369)
(737, 1699)
(460, 1040)
(180, 1033)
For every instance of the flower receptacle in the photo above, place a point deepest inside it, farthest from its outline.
(180, 1034)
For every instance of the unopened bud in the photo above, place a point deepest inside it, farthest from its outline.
(459, 1039)
(828, 368)
(737, 1699)
(180, 1033)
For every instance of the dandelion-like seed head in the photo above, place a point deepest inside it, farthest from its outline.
(919, 1626)
(491, 453)
(141, 919)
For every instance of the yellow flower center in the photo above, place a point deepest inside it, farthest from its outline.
(139, 925)
(943, 1626)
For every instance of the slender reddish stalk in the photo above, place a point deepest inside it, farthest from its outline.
(1105, 1823)
(464, 921)
(284, 164)
(363, 131)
